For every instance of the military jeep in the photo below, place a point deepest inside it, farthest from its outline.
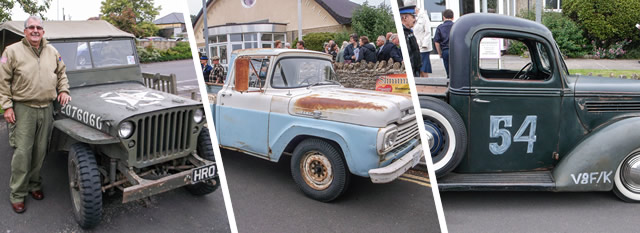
(531, 126)
(119, 134)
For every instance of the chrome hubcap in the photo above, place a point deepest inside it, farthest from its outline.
(630, 173)
(316, 170)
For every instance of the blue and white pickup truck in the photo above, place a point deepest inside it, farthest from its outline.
(286, 102)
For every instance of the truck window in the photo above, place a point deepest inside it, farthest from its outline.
(303, 72)
(529, 60)
(258, 72)
(112, 53)
(75, 55)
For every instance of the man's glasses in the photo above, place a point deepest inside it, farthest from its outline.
(34, 27)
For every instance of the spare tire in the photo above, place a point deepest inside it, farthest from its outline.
(449, 134)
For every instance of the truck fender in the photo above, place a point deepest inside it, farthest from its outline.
(283, 140)
(83, 133)
(592, 164)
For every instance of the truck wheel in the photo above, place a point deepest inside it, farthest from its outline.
(84, 185)
(449, 134)
(319, 170)
(205, 150)
(627, 178)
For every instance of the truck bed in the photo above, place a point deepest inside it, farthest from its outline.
(432, 86)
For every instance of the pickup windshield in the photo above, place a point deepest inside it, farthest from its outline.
(303, 72)
(96, 54)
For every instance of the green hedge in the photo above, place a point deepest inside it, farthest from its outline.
(605, 20)
(182, 50)
(314, 41)
(568, 34)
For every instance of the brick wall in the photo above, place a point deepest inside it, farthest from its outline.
(363, 75)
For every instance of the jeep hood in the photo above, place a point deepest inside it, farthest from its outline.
(116, 102)
(354, 106)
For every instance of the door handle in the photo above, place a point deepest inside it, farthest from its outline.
(480, 101)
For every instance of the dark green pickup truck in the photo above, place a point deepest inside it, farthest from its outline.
(528, 124)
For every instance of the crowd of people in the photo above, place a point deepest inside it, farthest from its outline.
(360, 48)
(417, 29)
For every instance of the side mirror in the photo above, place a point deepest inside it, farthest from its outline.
(241, 83)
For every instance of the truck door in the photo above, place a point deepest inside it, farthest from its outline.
(244, 115)
(514, 109)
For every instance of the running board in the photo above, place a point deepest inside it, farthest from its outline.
(514, 181)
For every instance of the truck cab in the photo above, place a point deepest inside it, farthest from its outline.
(529, 125)
(286, 102)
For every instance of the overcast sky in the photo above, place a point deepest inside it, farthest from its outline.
(84, 9)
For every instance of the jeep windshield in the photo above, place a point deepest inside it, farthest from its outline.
(82, 55)
(303, 72)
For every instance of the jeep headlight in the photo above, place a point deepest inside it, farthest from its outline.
(126, 129)
(198, 115)
(387, 138)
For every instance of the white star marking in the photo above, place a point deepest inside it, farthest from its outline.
(132, 97)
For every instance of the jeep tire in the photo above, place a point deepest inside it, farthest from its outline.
(449, 133)
(627, 178)
(205, 151)
(319, 170)
(84, 185)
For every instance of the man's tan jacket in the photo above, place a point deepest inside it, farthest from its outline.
(31, 78)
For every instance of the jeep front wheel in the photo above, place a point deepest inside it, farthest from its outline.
(205, 150)
(627, 178)
(84, 185)
(319, 170)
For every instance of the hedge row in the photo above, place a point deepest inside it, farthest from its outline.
(182, 50)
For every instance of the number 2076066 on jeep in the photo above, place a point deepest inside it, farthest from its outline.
(286, 102)
(533, 126)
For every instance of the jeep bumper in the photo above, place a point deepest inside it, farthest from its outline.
(144, 188)
(392, 171)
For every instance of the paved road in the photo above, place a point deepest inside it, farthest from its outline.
(173, 211)
(185, 74)
(265, 199)
(538, 212)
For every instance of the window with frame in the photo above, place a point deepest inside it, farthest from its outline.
(514, 59)
(303, 72)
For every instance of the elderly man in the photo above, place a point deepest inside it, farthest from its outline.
(384, 49)
(217, 73)
(408, 18)
(32, 76)
(396, 53)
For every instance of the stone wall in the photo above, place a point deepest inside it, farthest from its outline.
(363, 75)
(163, 45)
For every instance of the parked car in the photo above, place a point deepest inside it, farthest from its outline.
(279, 102)
(535, 127)
(119, 134)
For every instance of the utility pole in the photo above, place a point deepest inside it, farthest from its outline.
(63, 16)
(206, 28)
(539, 11)
(484, 6)
(299, 20)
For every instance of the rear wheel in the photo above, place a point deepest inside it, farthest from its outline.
(627, 178)
(319, 170)
(449, 134)
(84, 185)
(205, 150)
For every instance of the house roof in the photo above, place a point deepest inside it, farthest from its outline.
(172, 18)
(340, 10)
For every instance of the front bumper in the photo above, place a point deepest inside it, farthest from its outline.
(144, 188)
(397, 168)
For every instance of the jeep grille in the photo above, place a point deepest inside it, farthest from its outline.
(164, 134)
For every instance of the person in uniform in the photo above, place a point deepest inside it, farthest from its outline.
(32, 76)
(408, 18)
(206, 68)
(217, 73)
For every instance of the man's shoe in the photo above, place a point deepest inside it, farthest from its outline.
(18, 207)
(38, 195)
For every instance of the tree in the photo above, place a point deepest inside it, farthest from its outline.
(30, 7)
(372, 21)
(605, 20)
(133, 16)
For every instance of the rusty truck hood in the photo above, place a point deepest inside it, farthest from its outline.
(112, 103)
(599, 99)
(355, 106)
